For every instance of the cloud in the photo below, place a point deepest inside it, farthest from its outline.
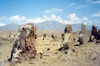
(85, 18)
(72, 4)
(81, 6)
(1, 24)
(54, 10)
(73, 16)
(97, 14)
(73, 19)
(94, 2)
(17, 18)
(22, 19)
(3, 18)
(45, 18)
(70, 19)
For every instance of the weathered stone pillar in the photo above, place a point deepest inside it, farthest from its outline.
(93, 35)
(24, 45)
(83, 39)
(68, 39)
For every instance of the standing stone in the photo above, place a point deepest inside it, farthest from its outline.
(94, 33)
(68, 39)
(83, 35)
(24, 45)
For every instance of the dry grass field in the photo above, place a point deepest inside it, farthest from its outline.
(47, 53)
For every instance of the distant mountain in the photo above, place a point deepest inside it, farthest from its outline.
(54, 25)
(77, 27)
(11, 26)
(50, 25)
(47, 25)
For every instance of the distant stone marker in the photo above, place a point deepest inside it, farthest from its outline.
(44, 36)
(24, 45)
(68, 39)
(83, 39)
(95, 34)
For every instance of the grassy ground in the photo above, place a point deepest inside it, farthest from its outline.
(84, 55)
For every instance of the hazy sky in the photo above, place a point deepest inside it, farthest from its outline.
(37, 11)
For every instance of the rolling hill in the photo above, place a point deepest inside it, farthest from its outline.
(47, 25)
(11, 26)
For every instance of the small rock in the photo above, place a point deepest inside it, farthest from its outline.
(66, 53)
(48, 49)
